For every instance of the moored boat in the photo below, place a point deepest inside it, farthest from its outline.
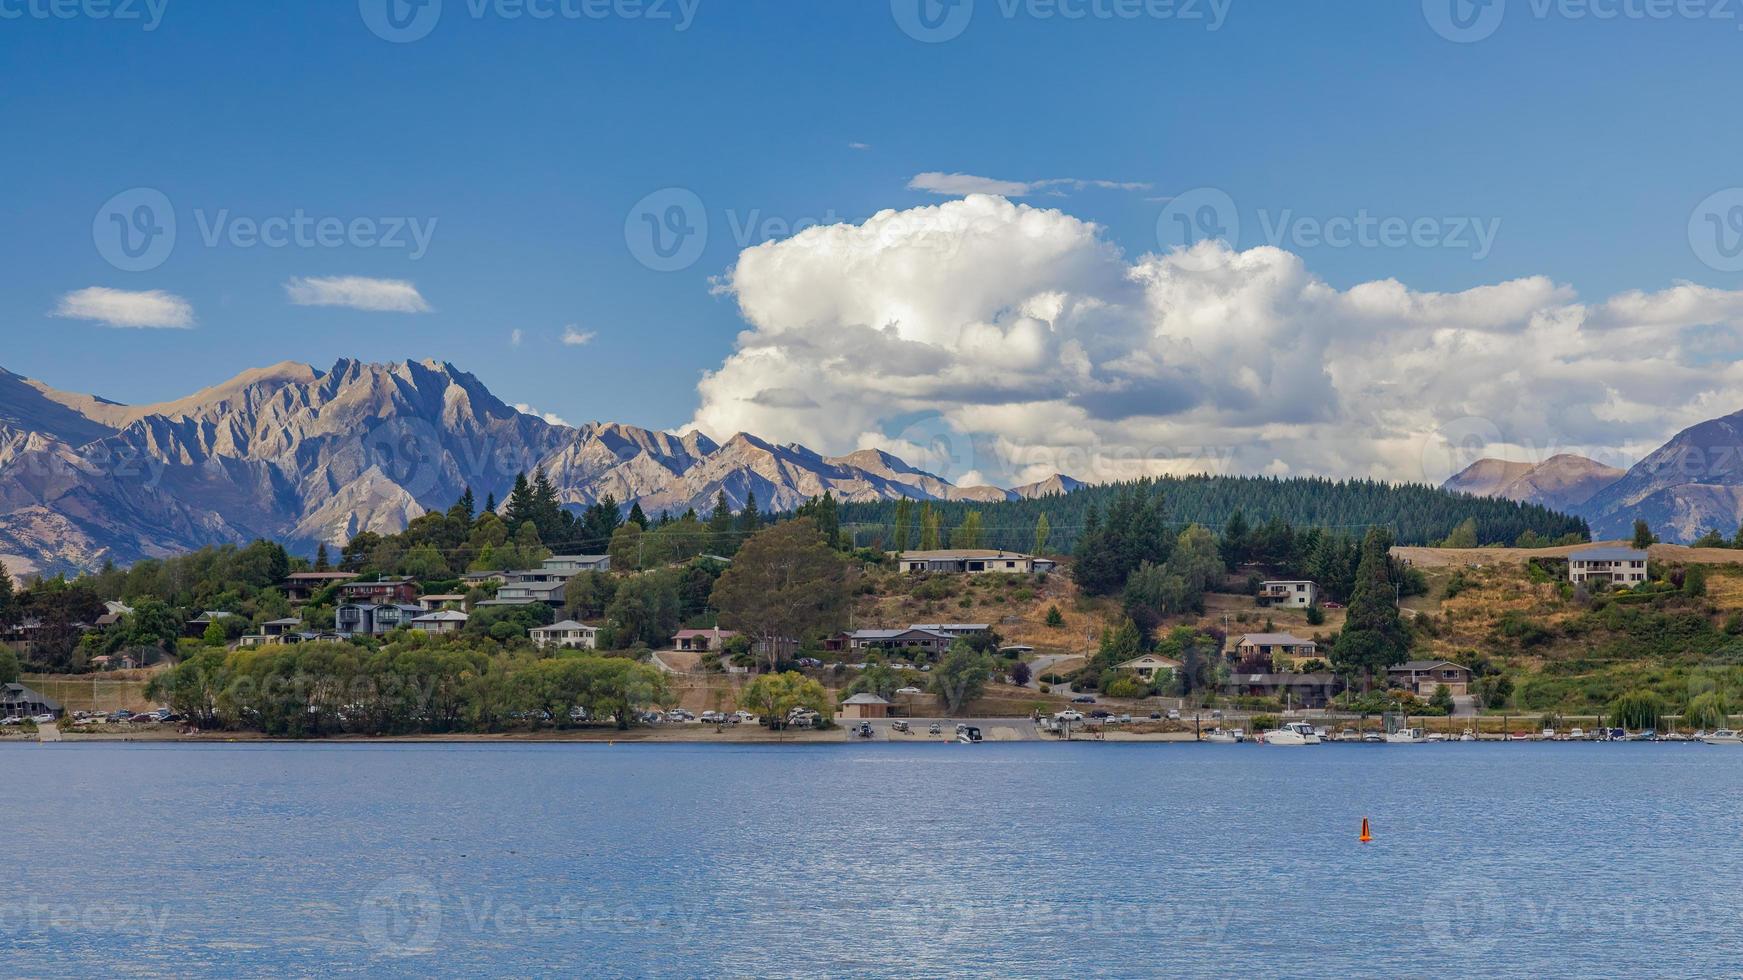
(1292, 733)
(1723, 736)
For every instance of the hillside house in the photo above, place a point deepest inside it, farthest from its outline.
(302, 586)
(918, 637)
(1421, 677)
(953, 629)
(371, 619)
(972, 561)
(702, 641)
(524, 591)
(575, 564)
(441, 600)
(1288, 594)
(568, 633)
(1611, 566)
(440, 621)
(1268, 645)
(18, 701)
(865, 705)
(473, 580)
(393, 591)
(1150, 667)
(195, 628)
(271, 633)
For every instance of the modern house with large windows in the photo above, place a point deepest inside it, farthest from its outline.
(1610, 565)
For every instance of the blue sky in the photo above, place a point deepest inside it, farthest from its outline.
(1585, 142)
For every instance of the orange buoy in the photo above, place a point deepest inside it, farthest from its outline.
(1366, 837)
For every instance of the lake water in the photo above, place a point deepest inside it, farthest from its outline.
(997, 859)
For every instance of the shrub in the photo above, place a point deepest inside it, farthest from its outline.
(1126, 687)
(1315, 616)
(1055, 618)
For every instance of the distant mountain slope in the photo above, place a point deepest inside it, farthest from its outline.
(303, 455)
(1563, 482)
(1691, 483)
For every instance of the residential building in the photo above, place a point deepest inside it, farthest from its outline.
(442, 600)
(702, 641)
(972, 561)
(19, 701)
(396, 591)
(953, 629)
(575, 564)
(1422, 677)
(1610, 565)
(1149, 666)
(1295, 690)
(112, 613)
(1270, 644)
(568, 633)
(1288, 594)
(865, 705)
(897, 639)
(272, 633)
(475, 579)
(440, 621)
(195, 628)
(528, 590)
(370, 619)
(302, 586)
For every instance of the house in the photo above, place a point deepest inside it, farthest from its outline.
(272, 633)
(972, 561)
(1149, 666)
(370, 619)
(441, 600)
(302, 586)
(396, 591)
(112, 613)
(954, 629)
(195, 628)
(575, 564)
(441, 621)
(1288, 593)
(702, 641)
(1611, 565)
(865, 705)
(1423, 676)
(18, 701)
(1270, 644)
(1297, 690)
(897, 639)
(474, 580)
(568, 633)
(528, 590)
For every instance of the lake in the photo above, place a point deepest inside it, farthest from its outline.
(998, 859)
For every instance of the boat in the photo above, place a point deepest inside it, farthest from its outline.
(1437, 736)
(1577, 735)
(1219, 736)
(967, 734)
(1519, 737)
(1348, 735)
(1373, 737)
(1724, 736)
(1468, 736)
(1405, 736)
(1292, 733)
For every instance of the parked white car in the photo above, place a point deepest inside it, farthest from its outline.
(909, 690)
(44, 719)
(739, 717)
(1069, 714)
(11, 720)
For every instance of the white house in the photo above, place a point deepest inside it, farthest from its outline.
(1288, 593)
(574, 564)
(973, 561)
(1149, 666)
(567, 633)
(1617, 566)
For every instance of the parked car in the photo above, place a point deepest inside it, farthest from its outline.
(900, 726)
(909, 690)
(44, 719)
(1069, 714)
(1083, 699)
(864, 730)
(936, 729)
(1173, 714)
(1099, 713)
(742, 716)
(713, 718)
(15, 720)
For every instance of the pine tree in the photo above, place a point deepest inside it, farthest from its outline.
(636, 516)
(1374, 636)
(750, 519)
(521, 506)
(904, 514)
(8, 598)
(466, 507)
(490, 503)
(1643, 538)
(720, 540)
(321, 562)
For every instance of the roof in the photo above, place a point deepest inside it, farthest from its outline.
(892, 634)
(1148, 660)
(18, 692)
(865, 697)
(1286, 680)
(210, 615)
(1287, 581)
(951, 553)
(949, 627)
(1273, 639)
(1607, 553)
(582, 559)
(564, 626)
(379, 582)
(482, 575)
(1425, 665)
(287, 621)
(442, 616)
(687, 634)
(318, 576)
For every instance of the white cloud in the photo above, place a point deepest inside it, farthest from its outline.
(1012, 341)
(576, 337)
(357, 293)
(958, 184)
(121, 308)
(859, 146)
(515, 337)
(551, 417)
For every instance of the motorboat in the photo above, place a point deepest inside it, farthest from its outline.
(1292, 733)
(1436, 736)
(1467, 736)
(1724, 736)
(1221, 736)
(1347, 735)
(1405, 736)
(1373, 737)
(967, 734)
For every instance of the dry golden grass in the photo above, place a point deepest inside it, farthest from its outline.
(1427, 558)
(996, 600)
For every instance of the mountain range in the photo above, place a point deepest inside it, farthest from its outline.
(306, 456)
(1691, 484)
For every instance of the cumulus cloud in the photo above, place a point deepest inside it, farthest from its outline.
(958, 184)
(515, 337)
(575, 337)
(357, 293)
(551, 417)
(1011, 341)
(121, 308)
